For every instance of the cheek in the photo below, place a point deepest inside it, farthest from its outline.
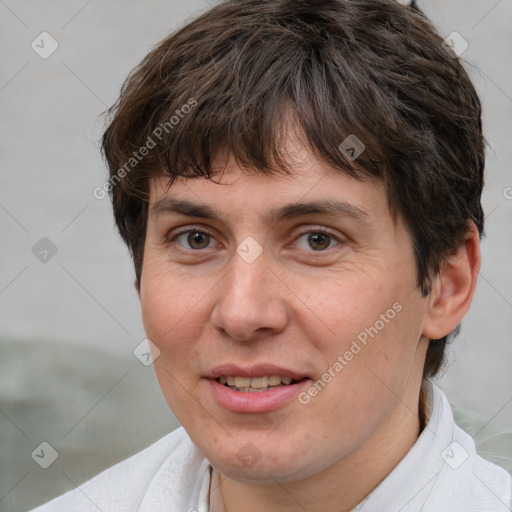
(336, 311)
(366, 329)
(173, 312)
(174, 317)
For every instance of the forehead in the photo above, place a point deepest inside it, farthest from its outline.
(307, 185)
(239, 193)
(305, 176)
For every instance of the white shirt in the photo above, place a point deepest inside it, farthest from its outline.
(441, 473)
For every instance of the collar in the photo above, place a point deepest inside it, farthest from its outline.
(392, 488)
(440, 472)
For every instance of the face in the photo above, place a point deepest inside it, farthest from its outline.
(286, 312)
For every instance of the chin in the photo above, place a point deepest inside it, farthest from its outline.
(285, 463)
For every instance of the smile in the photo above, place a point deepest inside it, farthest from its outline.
(254, 384)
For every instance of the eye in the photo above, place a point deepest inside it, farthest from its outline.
(195, 240)
(316, 240)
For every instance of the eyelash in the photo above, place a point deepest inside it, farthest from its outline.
(304, 231)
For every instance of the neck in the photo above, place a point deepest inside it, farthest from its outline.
(341, 487)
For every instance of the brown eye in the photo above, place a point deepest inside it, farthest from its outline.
(198, 240)
(194, 240)
(319, 241)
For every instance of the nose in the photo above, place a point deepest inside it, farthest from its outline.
(250, 301)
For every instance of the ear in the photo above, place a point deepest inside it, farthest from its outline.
(454, 288)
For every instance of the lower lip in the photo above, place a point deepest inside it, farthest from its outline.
(256, 401)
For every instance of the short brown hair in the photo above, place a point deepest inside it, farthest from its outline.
(370, 68)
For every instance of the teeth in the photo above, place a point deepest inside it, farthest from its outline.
(260, 383)
(242, 382)
(274, 380)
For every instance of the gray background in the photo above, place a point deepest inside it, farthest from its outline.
(68, 326)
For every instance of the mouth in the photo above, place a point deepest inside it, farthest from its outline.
(255, 389)
(256, 384)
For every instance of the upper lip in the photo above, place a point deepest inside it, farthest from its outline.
(258, 370)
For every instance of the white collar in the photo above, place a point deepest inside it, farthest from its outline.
(408, 486)
(440, 472)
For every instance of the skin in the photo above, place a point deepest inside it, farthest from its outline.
(298, 308)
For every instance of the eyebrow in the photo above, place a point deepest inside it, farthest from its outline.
(326, 207)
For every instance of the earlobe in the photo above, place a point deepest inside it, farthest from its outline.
(454, 288)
